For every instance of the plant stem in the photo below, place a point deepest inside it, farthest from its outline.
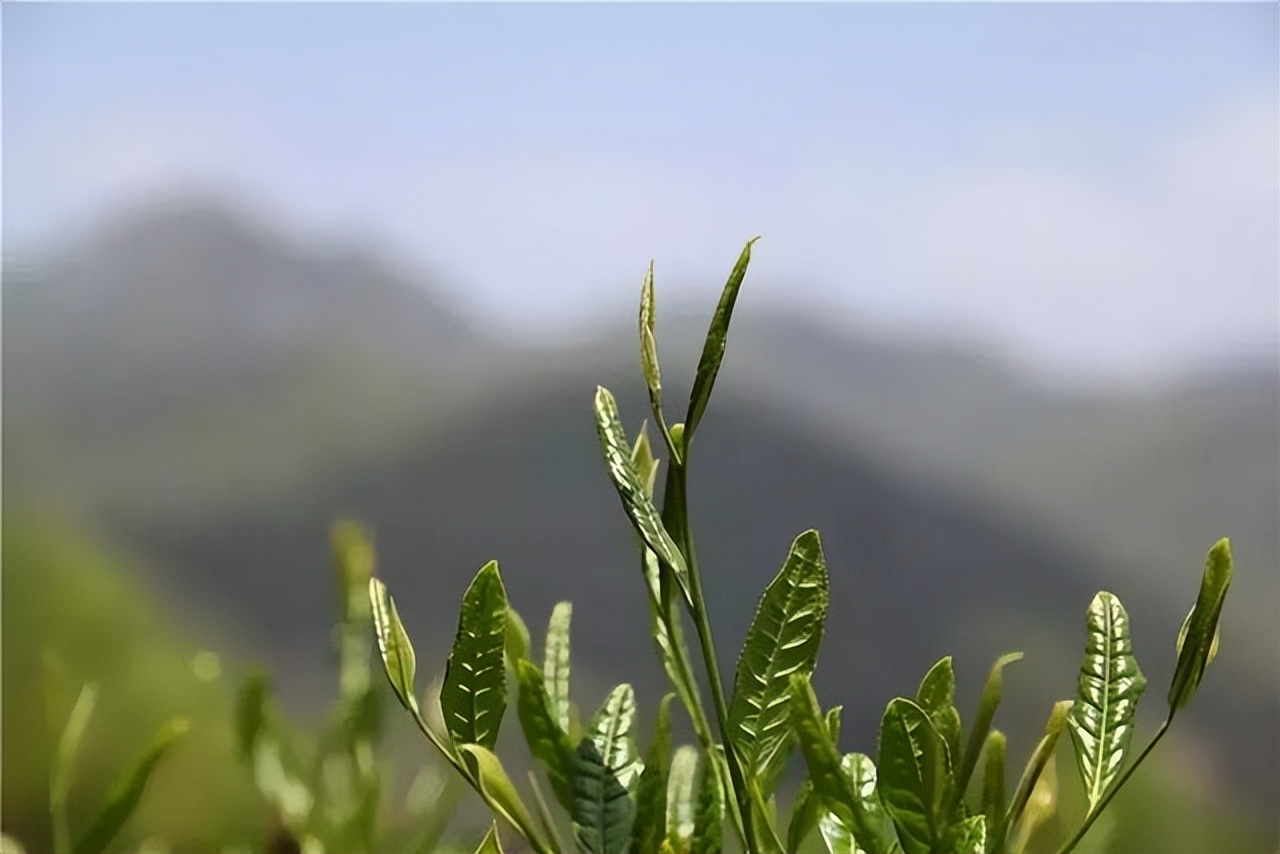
(1093, 814)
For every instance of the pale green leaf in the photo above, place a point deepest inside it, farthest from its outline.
(783, 640)
(1101, 721)
(393, 643)
(1036, 764)
(1198, 640)
(517, 641)
(681, 804)
(1041, 806)
(474, 695)
(555, 663)
(612, 729)
(499, 793)
(490, 844)
(990, 699)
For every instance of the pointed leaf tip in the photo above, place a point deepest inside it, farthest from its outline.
(393, 643)
(1198, 639)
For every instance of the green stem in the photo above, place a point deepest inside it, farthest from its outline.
(1093, 814)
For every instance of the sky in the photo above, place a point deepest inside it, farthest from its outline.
(1092, 189)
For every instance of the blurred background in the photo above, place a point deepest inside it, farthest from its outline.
(1010, 337)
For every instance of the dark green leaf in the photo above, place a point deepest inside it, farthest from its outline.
(555, 663)
(937, 696)
(991, 692)
(636, 500)
(993, 784)
(603, 811)
(804, 815)
(612, 729)
(967, 837)
(474, 695)
(713, 348)
(126, 792)
(651, 792)
(1102, 719)
(1198, 640)
(783, 640)
(1035, 765)
(393, 642)
(547, 742)
(708, 826)
(915, 778)
(831, 783)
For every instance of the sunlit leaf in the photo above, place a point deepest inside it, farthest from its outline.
(636, 500)
(1101, 721)
(783, 640)
(517, 641)
(499, 793)
(990, 699)
(474, 695)
(393, 643)
(603, 810)
(555, 663)
(650, 826)
(915, 778)
(612, 729)
(714, 346)
(126, 792)
(682, 813)
(838, 834)
(1198, 639)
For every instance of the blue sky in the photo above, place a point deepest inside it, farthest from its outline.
(1090, 188)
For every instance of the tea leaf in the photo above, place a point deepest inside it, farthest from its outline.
(681, 810)
(831, 783)
(804, 815)
(555, 663)
(636, 500)
(516, 643)
(993, 784)
(499, 793)
(650, 826)
(65, 757)
(915, 776)
(991, 692)
(714, 346)
(968, 836)
(611, 729)
(393, 642)
(603, 811)
(937, 696)
(708, 827)
(1035, 765)
(837, 833)
(126, 791)
(1102, 720)
(783, 640)
(490, 844)
(1040, 806)
(474, 695)
(547, 742)
(1198, 639)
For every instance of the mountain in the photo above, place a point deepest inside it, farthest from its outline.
(215, 394)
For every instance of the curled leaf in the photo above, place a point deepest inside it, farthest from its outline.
(1198, 639)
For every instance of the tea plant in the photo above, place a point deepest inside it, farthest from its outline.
(933, 787)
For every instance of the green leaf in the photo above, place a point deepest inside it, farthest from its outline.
(831, 783)
(603, 811)
(993, 784)
(555, 663)
(682, 816)
(499, 793)
(393, 642)
(490, 844)
(65, 756)
(474, 695)
(612, 730)
(636, 501)
(708, 826)
(548, 743)
(644, 462)
(937, 696)
(1102, 719)
(1198, 640)
(991, 692)
(832, 721)
(126, 791)
(1040, 807)
(713, 348)
(783, 640)
(804, 815)
(253, 709)
(517, 641)
(915, 778)
(648, 345)
(1035, 765)
(837, 833)
(650, 826)
(837, 837)
(967, 837)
